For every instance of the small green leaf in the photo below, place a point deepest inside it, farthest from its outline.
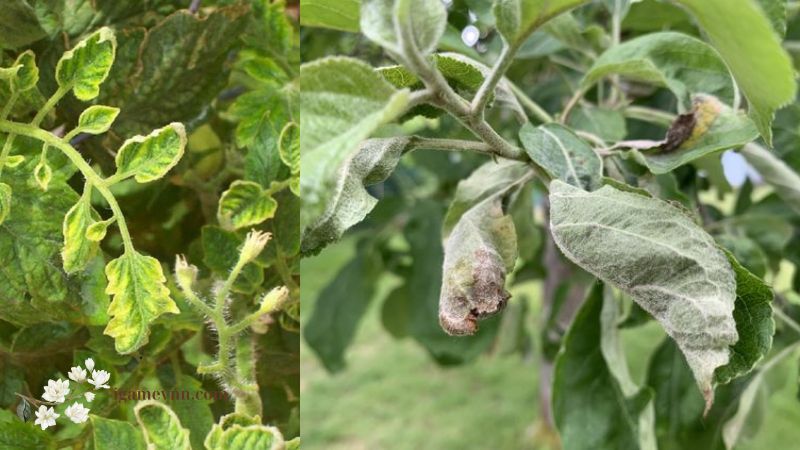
(294, 444)
(96, 232)
(563, 154)
(140, 297)
(78, 251)
(363, 102)
(517, 19)
(150, 157)
(84, 68)
(662, 259)
(5, 201)
(762, 68)
(754, 324)
(385, 21)
(245, 204)
(478, 254)
(13, 161)
(107, 434)
(716, 127)
(336, 14)
(42, 173)
(96, 119)
(349, 202)
(28, 74)
(244, 437)
(161, 427)
(683, 64)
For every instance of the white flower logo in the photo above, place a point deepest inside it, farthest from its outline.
(56, 390)
(77, 413)
(46, 417)
(99, 379)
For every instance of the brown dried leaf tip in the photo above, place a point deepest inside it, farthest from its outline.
(688, 127)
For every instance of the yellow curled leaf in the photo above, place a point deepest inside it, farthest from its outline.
(84, 68)
(97, 119)
(245, 204)
(78, 251)
(150, 157)
(161, 426)
(136, 283)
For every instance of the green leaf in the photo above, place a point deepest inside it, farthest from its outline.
(108, 433)
(716, 127)
(746, 251)
(683, 64)
(84, 68)
(340, 307)
(15, 434)
(221, 252)
(754, 324)
(13, 161)
(97, 231)
(776, 11)
(196, 416)
(656, 254)
(18, 24)
(240, 432)
(161, 427)
(294, 444)
(562, 154)
(140, 297)
(349, 202)
(762, 68)
(289, 149)
(608, 124)
(28, 74)
(43, 173)
(245, 204)
(517, 19)
(5, 201)
(478, 254)
(149, 158)
(385, 22)
(96, 119)
(582, 376)
(336, 14)
(363, 101)
(776, 173)
(78, 251)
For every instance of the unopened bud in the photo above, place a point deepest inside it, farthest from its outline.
(274, 300)
(253, 245)
(185, 273)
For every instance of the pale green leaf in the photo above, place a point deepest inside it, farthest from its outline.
(517, 19)
(43, 173)
(161, 427)
(582, 376)
(78, 251)
(13, 161)
(754, 324)
(294, 444)
(5, 201)
(776, 173)
(335, 14)
(658, 256)
(96, 119)
(386, 22)
(245, 204)
(289, 149)
(84, 68)
(776, 12)
(349, 202)
(608, 124)
(108, 433)
(683, 64)
(149, 158)
(342, 102)
(716, 127)
(488, 180)
(478, 254)
(97, 231)
(745, 39)
(140, 297)
(563, 154)
(28, 74)
(241, 432)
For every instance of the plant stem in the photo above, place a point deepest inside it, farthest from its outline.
(649, 115)
(786, 319)
(51, 103)
(75, 157)
(489, 83)
(530, 105)
(456, 145)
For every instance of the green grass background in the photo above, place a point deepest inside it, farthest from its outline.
(393, 396)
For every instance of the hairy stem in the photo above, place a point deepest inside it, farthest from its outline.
(92, 177)
(532, 107)
(487, 88)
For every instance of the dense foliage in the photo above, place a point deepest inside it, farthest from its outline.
(133, 133)
(470, 147)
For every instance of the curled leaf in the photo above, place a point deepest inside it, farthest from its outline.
(245, 204)
(479, 252)
(150, 157)
(84, 68)
(78, 251)
(5, 201)
(96, 119)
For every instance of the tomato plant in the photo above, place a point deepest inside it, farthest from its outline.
(133, 132)
(627, 155)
